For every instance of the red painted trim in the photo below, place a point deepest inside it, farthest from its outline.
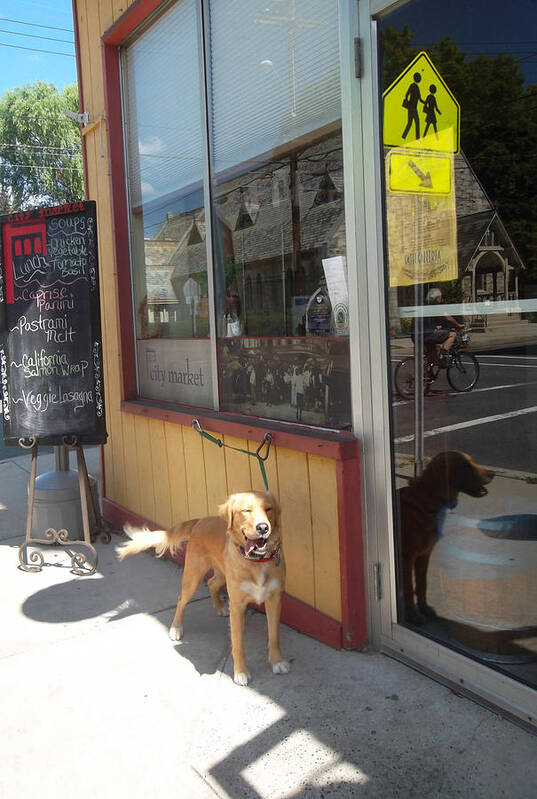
(134, 16)
(80, 96)
(120, 236)
(339, 445)
(295, 614)
(351, 553)
(311, 622)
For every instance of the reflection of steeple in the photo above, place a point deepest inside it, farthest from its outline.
(194, 236)
(244, 220)
(327, 192)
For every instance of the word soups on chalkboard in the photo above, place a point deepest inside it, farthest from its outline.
(50, 351)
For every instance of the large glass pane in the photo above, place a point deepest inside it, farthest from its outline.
(165, 146)
(459, 83)
(278, 213)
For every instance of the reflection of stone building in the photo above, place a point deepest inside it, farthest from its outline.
(161, 298)
(270, 247)
(489, 264)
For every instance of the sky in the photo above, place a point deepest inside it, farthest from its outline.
(28, 27)
(479, 27)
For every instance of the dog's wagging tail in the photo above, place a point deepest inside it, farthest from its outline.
(162, 541)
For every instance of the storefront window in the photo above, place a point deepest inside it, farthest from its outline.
(165, 145)
(277, 210)
(460, 136)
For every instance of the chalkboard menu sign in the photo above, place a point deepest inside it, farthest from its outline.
(50, 333)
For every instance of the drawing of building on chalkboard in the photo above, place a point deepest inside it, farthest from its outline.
(34, 243)
(22, 243)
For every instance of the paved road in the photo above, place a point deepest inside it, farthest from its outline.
(496, 423)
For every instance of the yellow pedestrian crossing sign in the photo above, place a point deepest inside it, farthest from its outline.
(420, 112)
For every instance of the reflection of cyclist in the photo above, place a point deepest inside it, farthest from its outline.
(437, 335)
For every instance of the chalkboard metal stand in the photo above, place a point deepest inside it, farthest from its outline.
(33, 561)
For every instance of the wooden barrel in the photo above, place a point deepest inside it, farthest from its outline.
(483, 580)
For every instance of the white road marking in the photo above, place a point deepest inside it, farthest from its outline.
(526, 357)
(508, 365)
(474, 391)
(498, 417)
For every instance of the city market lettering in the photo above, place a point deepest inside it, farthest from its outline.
(185, 377)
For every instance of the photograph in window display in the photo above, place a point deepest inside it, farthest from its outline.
(297, 379)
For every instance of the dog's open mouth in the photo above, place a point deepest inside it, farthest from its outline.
(255, 546)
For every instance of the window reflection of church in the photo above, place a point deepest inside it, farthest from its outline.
(274, 226)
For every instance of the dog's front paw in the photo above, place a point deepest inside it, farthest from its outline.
(241, 677)
(175, 633)
(283, 667)
(223, 611)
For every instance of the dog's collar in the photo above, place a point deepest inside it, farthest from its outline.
(275, 555)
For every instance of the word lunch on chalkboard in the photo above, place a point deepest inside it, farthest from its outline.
(50, 331)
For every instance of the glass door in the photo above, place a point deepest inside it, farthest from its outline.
(457, 95)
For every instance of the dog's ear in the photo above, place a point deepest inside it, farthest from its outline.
(276, 510)
(225, 511)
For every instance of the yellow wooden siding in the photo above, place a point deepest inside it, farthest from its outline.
(324, 517)
(176, 472)
(195, 474)
(296, 523)
(215, 474)
(167, 472)
(127, 465)
(161, 486)
(144, 466)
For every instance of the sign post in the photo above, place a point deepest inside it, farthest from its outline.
(51, 367)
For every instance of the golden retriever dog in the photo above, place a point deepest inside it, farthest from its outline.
(243, 548)
(420, 503)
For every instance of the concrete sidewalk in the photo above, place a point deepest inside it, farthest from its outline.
(98, 702)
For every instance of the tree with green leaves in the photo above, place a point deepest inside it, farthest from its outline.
(40, 148)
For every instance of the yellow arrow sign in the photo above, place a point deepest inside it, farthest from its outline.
(420, 112)
(417, 173)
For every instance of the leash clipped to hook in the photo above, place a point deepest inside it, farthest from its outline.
(267, 441)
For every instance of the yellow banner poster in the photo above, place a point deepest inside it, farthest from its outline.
(422, 235)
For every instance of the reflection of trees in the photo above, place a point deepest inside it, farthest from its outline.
(498, 126)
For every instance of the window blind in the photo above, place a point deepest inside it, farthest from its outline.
(274, 74)
(163, 105)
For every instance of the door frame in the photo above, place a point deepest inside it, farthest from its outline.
(370, 374)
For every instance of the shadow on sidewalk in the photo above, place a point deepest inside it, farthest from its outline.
(341, 723)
